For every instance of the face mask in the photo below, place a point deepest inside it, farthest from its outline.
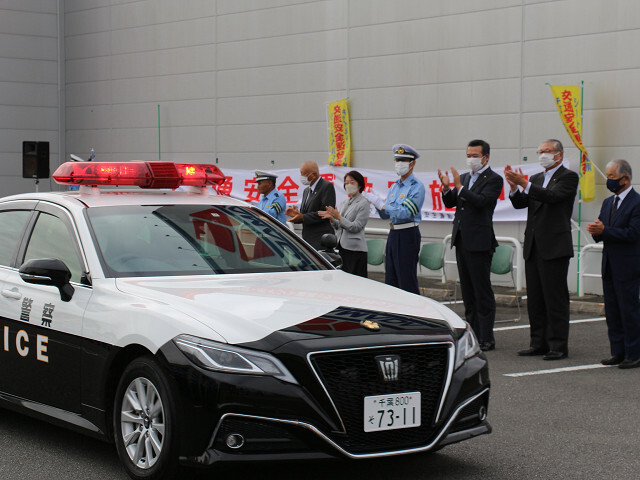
(474, 164)
(614, 185)
(546, 160)
(402, 168)
(304, 180)
(351, 189)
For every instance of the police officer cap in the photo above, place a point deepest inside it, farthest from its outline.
(260, 175)
(405, 152)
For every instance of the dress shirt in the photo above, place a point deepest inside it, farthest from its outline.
(474, 176)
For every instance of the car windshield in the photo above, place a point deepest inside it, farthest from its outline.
(152, 240)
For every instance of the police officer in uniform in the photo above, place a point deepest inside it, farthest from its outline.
(272, 202)
(402, 207)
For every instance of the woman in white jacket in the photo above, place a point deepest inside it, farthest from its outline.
(349, 222)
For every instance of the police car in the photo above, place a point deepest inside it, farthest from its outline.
(191, 328)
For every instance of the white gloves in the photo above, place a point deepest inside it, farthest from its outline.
(374, 199)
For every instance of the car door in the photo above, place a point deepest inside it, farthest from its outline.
(15, 218)
(41, 353)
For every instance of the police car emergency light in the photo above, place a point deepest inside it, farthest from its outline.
(139, 173)
(192, 330)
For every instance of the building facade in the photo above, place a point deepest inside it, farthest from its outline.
(245, 82)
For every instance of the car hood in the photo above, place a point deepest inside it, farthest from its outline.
(248, 307)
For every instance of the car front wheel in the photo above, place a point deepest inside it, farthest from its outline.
(144, 421)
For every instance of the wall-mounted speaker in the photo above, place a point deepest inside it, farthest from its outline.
(35, 159)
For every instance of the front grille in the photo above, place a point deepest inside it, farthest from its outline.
(351, 375)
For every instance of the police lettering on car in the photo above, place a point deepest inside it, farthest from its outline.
(189, 328)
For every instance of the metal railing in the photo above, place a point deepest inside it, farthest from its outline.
(518, 262)
(589, 248)
(518, 265)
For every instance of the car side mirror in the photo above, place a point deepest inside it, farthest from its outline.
(329, 242)
(48, 271)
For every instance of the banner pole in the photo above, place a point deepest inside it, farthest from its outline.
(580, 188)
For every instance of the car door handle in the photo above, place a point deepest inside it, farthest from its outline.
(14, 293)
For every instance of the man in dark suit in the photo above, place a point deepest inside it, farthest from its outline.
(548, 247)
(618, 226)
(475, 195)
(318, 194)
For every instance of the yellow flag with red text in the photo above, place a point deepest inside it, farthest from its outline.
(339, 134)
(569, 102)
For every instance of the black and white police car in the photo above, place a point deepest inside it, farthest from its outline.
(190, 329)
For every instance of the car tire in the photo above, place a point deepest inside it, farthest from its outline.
(144, 422)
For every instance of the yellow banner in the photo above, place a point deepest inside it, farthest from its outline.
(339, 134)
(569, 102)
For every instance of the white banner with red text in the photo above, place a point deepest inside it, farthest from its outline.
(241, 184)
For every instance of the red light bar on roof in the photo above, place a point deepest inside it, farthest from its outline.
(138, 173)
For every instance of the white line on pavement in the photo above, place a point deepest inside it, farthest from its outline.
(583, 320)
(556, 370)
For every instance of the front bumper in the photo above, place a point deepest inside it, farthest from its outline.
(294, 440)
(229, 418)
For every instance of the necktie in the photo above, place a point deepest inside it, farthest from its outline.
(305, 201)
(614, 206)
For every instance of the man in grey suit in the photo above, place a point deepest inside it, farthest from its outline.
(548, 247)
(317, 196)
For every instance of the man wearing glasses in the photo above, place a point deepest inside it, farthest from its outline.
(548, 247)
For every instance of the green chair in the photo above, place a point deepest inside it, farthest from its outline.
(502, 264)
(431, 255)
(432, 258)
(375, 251)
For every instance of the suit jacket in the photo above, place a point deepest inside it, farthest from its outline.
(549, 214)
(621, 237)
(313, 226)
(350, 228)
(474, 211)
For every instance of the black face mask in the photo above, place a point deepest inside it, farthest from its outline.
(614, 184)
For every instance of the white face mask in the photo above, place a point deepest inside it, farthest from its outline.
(474, 163)
(546, 160)
(402, 168)
(304, 180)
(351, 189)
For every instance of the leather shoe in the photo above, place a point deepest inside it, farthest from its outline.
(615, 360)
(486, 346)
(553, 355)
(530, 352)
(629, 363)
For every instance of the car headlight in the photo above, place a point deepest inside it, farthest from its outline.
(467, 346)
(227, 358)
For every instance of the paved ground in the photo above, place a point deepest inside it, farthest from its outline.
(569, 419)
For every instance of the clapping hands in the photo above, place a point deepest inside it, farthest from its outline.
(514, 177)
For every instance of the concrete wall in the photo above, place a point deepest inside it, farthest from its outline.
(246, 81)
(29, 80)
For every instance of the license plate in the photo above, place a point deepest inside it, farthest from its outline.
(391, 411)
